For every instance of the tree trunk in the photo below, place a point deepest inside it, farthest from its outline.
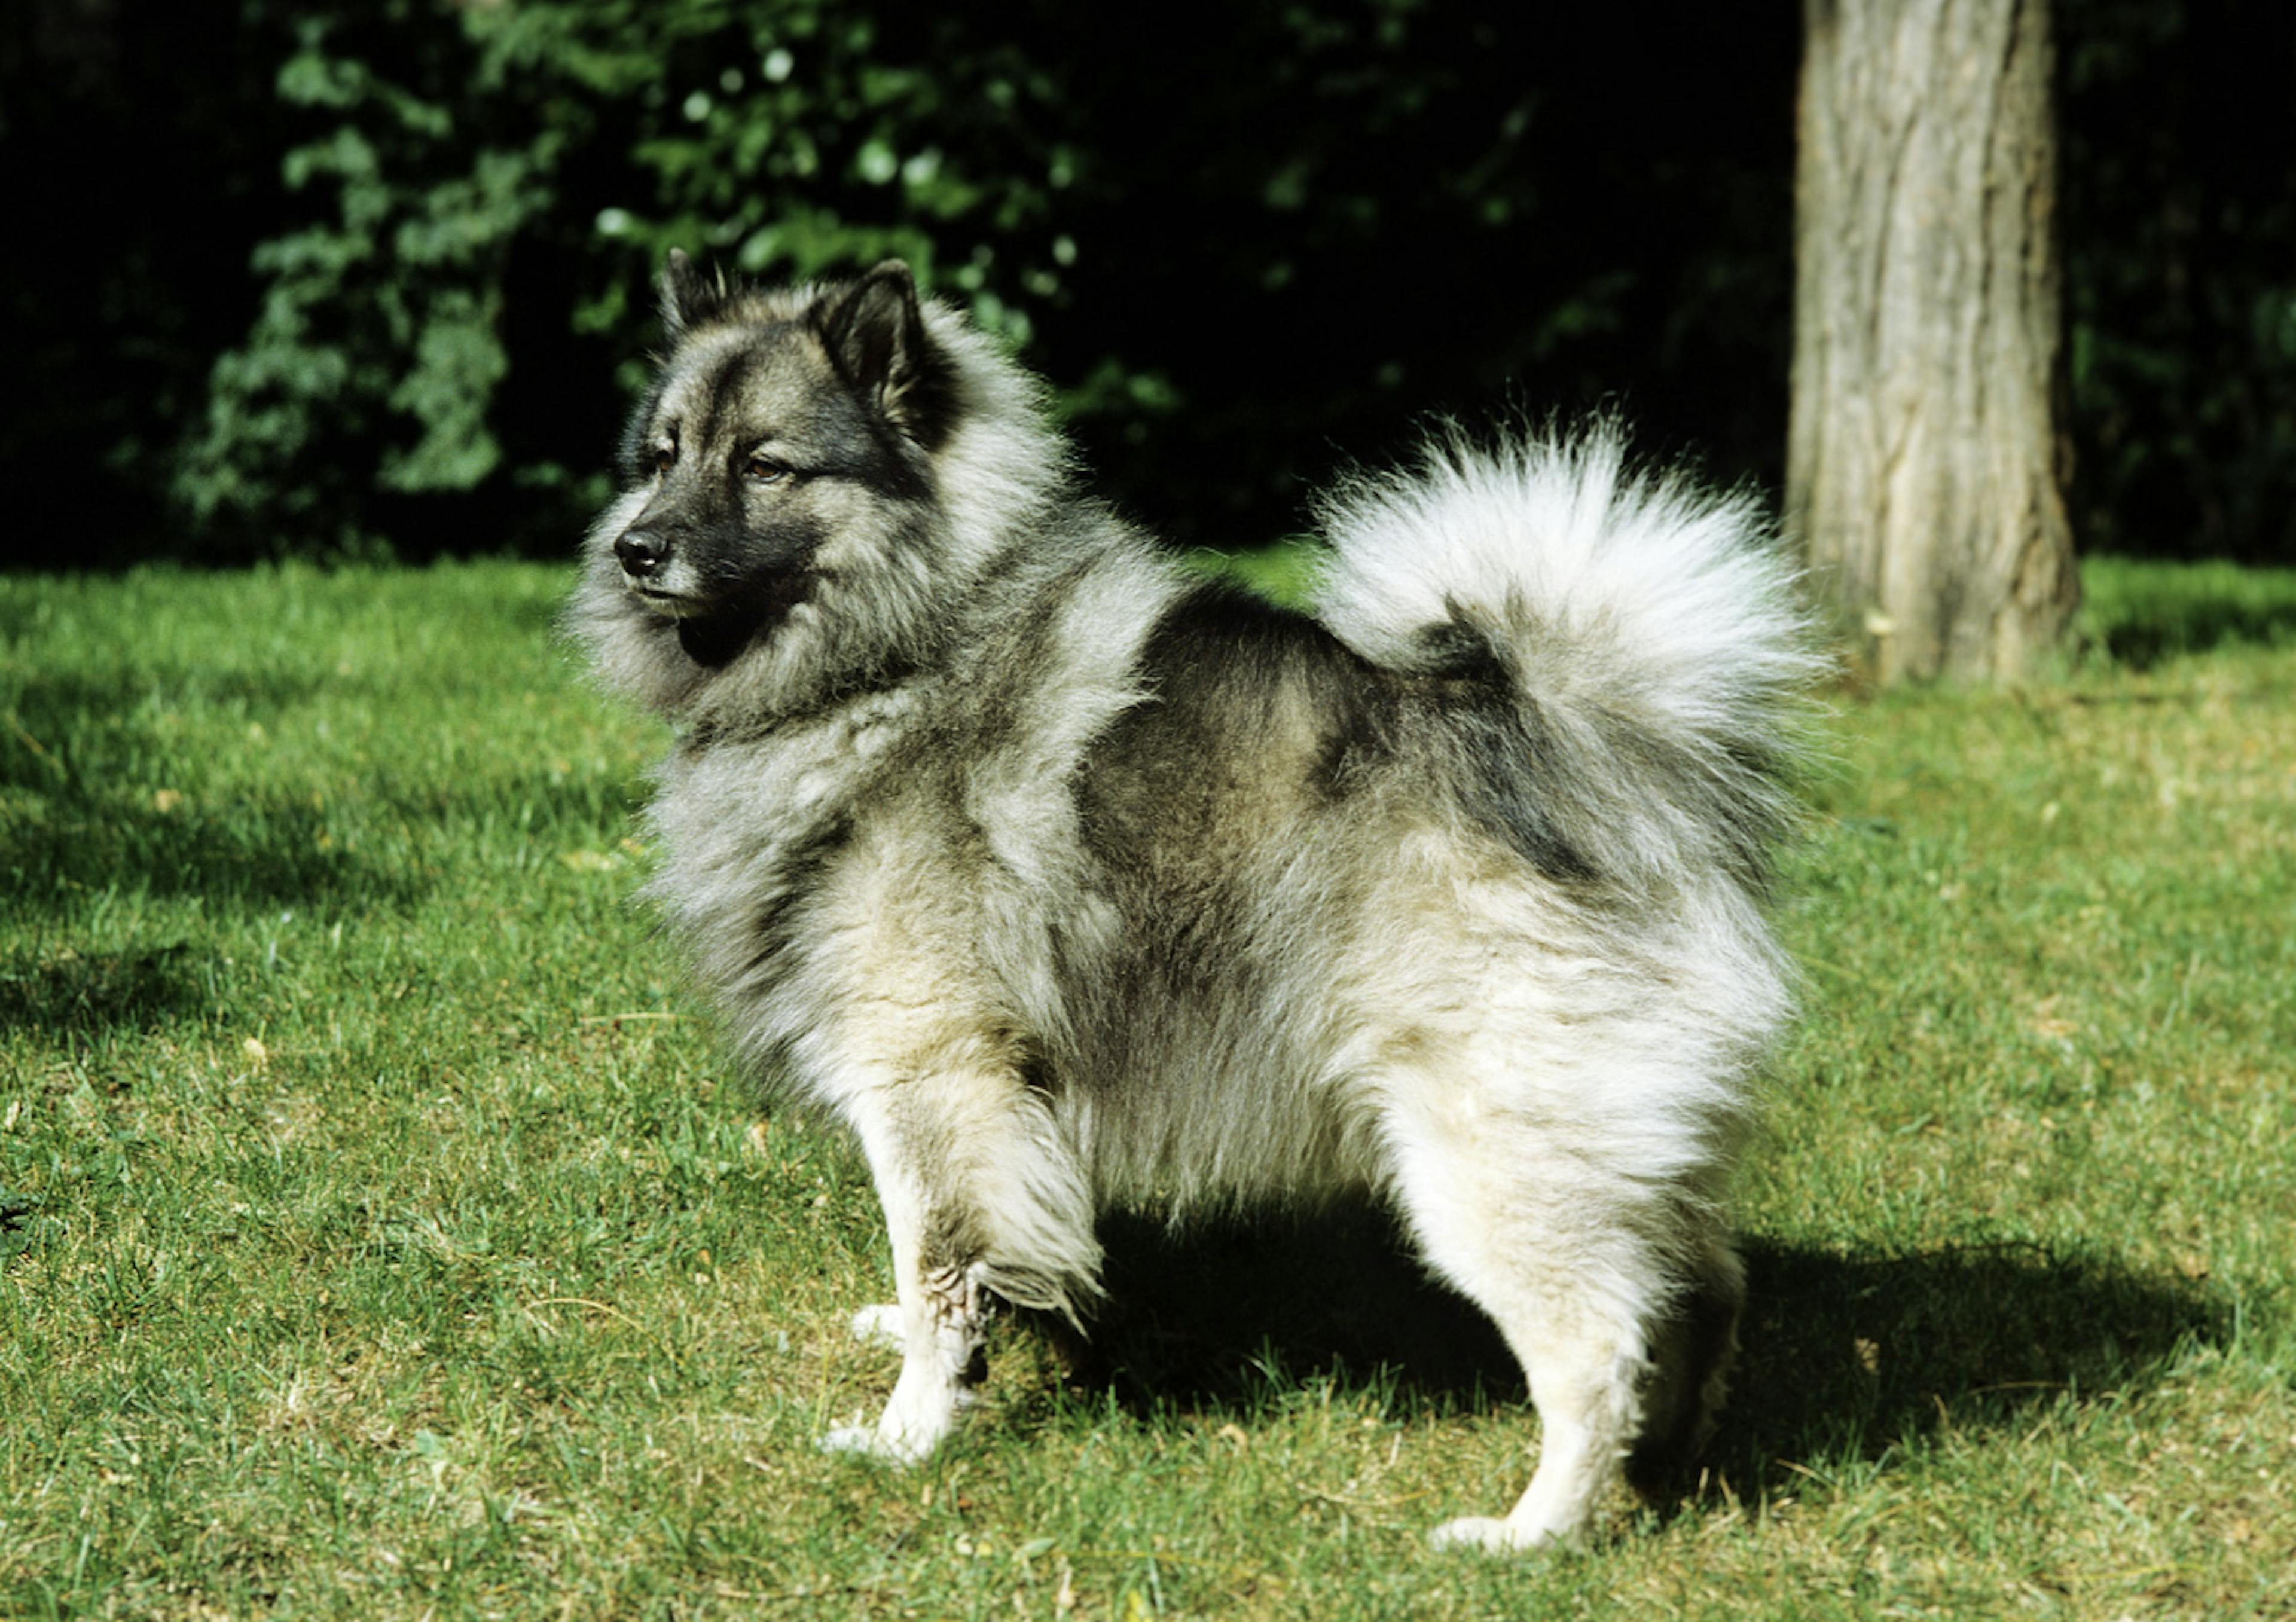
(1926, 455)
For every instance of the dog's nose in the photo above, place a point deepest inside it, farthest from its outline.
(641, 551)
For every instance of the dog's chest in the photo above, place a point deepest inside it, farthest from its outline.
(751, 831)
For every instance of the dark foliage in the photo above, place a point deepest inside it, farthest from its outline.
(355, 278)
(2180, 206)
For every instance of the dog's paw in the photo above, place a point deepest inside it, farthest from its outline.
(881, 1326)
(1490, 1535)
(867, 1442)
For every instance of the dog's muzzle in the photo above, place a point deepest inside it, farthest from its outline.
(655, 574)
(642, 553)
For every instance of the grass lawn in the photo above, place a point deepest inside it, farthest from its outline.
(380, 1237)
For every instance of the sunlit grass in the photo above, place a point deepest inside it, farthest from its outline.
(381, 1235)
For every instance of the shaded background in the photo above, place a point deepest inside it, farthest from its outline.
(336, 280)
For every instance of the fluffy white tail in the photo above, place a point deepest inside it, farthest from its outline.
(1643, 636)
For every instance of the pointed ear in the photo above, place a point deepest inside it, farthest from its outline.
(876, 334)
(688, 298)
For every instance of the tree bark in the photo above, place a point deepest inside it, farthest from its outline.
(1927, 454)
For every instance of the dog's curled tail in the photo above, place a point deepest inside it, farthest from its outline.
(1639, 642)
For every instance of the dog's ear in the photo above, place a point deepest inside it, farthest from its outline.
(875, 334)
(688, 296)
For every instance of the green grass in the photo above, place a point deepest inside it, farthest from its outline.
(379, 1235)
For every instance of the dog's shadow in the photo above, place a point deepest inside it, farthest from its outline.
(1844, 1356)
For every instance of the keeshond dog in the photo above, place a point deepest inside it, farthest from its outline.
(1067, 879)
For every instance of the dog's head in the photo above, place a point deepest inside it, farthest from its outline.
(778, 424)
(818, 491)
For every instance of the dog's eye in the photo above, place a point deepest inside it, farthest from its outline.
(665, 457)
(765, 470)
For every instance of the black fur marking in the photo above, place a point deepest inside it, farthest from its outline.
(875, 335)
(729, 388)
(1259, 719)
(715, 640)
(848, 443)
(1508, 747)
(1508, 753)
(800, 873)
(1456, 649)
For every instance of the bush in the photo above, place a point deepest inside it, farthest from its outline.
(480, 198)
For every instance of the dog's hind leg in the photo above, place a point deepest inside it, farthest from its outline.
(1570, 1263)
(1691, 1359)
(1586, 1368)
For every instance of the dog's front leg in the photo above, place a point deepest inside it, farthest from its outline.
(984, 1203)
(941, 1323)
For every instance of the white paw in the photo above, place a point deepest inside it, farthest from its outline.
(881, 1326)
(865, 1442)
(1489, 1534)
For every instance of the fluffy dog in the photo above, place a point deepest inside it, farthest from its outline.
(1064, 878)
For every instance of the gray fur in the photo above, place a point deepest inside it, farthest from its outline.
(1064, 882)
